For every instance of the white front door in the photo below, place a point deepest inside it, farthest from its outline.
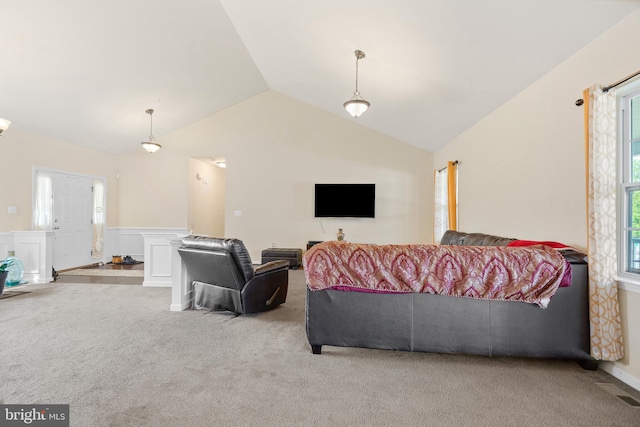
(72, 217)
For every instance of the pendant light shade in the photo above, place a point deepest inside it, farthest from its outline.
(357, 105)
(4, 124)
(151, 146)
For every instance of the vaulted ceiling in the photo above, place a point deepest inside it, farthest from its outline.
(85, 71)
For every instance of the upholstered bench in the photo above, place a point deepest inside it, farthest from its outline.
(293, 255)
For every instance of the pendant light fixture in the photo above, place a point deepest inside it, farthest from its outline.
(151, 146)
(4, 124)
(356, 106)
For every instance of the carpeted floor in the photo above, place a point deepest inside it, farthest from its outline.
(8, 294)
(119, 357)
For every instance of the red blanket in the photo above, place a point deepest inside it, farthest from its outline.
(529, 274)
(555, 245)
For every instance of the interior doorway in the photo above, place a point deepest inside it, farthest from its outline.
(73, 207)
(206, 214)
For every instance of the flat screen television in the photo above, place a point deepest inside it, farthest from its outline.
(345, 201)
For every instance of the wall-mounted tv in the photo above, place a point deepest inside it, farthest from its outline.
(345, 201)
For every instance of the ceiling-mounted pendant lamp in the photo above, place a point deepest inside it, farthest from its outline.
(4, 124)
(357, 105)
(151, 146)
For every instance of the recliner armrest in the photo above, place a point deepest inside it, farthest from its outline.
(281, 264)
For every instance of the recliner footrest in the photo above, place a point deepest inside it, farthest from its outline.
(215, 298)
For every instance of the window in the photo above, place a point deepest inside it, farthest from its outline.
(629, 192)
(43, 201)
(445, 201)
(441, 217)
(98, 220)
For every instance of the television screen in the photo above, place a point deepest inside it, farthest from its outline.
(345, 200)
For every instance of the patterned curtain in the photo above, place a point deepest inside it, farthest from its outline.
(601, 147)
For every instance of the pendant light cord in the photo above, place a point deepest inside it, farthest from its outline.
(359, 55)
(150, 112)
(357, 59)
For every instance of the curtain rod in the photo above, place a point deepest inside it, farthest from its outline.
(455, 162)
(606, 89)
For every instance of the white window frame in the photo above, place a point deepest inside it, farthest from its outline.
(629, 280)
(441, 205)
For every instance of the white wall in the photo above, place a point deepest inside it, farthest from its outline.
(276, 149)
(20, 151)
(206, 198)
(522, 171)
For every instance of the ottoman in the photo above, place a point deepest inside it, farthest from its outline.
(293, 255)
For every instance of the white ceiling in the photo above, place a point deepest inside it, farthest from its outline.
(85, 71)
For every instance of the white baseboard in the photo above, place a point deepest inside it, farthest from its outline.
(618, 373)
(156, 284)
(179, 307)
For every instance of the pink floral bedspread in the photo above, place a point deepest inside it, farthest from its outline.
(528, 274)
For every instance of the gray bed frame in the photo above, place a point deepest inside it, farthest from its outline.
(444, 324)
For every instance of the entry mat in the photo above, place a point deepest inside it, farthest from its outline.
(9, 294)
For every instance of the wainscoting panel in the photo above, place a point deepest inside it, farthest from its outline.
(160, 259)
(35, 250)
(158, 255)
(6, 244)
(130, 241)
(132, 244)
(30, 256)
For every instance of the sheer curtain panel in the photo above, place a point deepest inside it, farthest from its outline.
(43, 201)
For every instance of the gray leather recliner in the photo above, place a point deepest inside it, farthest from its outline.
(224, 278)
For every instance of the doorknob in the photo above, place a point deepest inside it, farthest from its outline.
(56, 228)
